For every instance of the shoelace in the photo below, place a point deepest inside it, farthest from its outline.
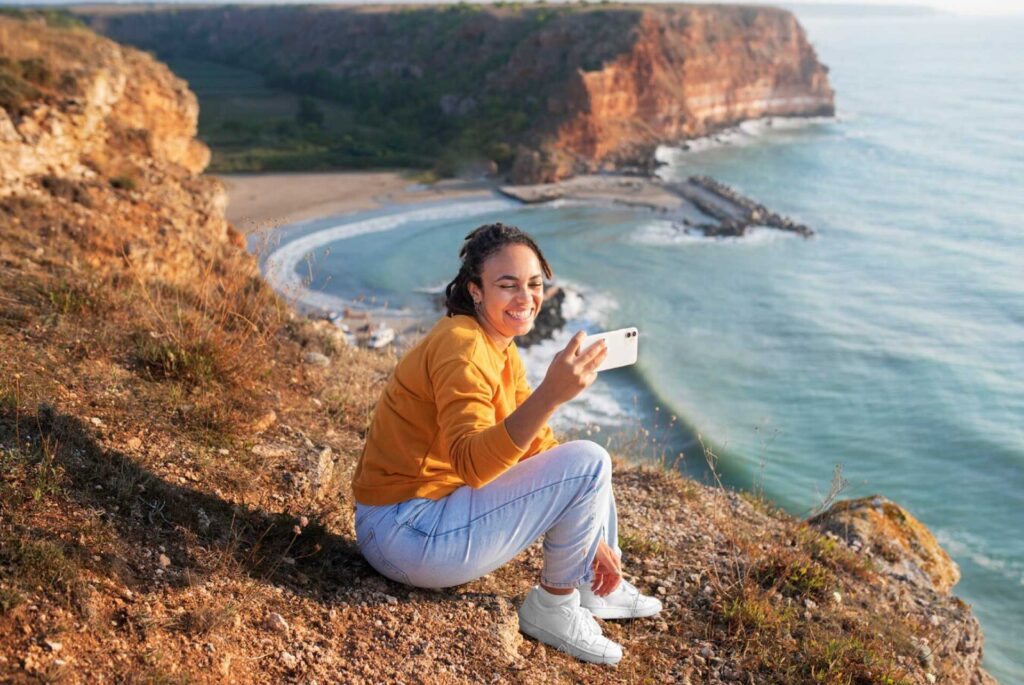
(582, 626)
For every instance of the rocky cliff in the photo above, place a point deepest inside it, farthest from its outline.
(174, 463)
(544, 92)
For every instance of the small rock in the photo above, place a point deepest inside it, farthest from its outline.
(316, 359)
(53, 646)
(134, 443)
(264, 422)
(810, 604)
(275, 622)
(930, 677)
(837, 598)
(390, 599)
(164, 560)
(96, 421)
(289, 660)
(707, 652)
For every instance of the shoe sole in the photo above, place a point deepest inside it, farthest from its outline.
(606, 613)
(547, 638)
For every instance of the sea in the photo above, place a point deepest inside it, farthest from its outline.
(883, 356)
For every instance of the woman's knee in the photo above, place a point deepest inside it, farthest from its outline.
(594, 456)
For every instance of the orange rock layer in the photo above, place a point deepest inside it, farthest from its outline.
(689, 71)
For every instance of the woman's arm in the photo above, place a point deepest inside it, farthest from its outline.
(568, 375)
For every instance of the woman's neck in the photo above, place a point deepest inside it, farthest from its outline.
(500, 341)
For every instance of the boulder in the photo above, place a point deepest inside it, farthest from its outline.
(898, 539)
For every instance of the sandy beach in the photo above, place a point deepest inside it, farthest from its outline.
(265, 201)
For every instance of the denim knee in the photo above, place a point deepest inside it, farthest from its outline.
(594, 458)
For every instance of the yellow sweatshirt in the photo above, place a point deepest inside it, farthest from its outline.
(440, 422)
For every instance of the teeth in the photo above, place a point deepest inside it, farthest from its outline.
(521, 316)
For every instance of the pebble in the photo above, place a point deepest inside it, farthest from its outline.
(837, 598)
(134, 443)
(96, 421)
(930, 677)
(164, 560)
(53, 646)
(289, 660)
(316, 359)
(275, 622)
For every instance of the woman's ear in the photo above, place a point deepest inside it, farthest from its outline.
(474, 292)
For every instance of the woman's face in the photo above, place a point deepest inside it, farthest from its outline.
(513, 289)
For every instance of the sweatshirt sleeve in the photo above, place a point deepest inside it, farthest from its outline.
(480, 449)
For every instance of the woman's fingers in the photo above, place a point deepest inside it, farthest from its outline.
(592, 358)
(574, 344)
(605, 583)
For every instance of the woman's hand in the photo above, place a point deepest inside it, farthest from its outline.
(571, 372)
(607, 570)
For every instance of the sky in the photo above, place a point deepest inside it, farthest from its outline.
(970, 7)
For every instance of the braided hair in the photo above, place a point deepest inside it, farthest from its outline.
(480, 244)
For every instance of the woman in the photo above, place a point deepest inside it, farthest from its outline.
(460, 471)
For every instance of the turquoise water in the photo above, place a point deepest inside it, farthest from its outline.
(892, 344)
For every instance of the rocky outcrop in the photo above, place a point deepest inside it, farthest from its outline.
(87, 101)
(919, 577)
(549, 92)
(110, 128)
(894, 537)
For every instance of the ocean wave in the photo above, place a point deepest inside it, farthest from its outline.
(963, 545)
(745, 133)
(666, 233)
(281, 267)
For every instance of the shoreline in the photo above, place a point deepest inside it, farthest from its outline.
(258, 202)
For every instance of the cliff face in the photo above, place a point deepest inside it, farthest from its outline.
(174, 498)
(686, 72)
(567, 89)
(113, 131)
(88, 99)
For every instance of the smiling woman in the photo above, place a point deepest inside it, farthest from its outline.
(460, 471)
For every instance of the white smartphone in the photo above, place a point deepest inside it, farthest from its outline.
(622, 347)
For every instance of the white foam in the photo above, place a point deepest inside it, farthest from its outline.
(745, 133)
(666, 233)
(963, 545)
(434, 289)
(281, 266)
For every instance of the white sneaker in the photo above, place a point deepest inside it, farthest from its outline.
(566, 626)
(625, 601)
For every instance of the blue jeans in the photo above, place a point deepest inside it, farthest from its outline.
(564, 494)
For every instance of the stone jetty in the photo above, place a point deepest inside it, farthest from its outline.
(733, 213)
